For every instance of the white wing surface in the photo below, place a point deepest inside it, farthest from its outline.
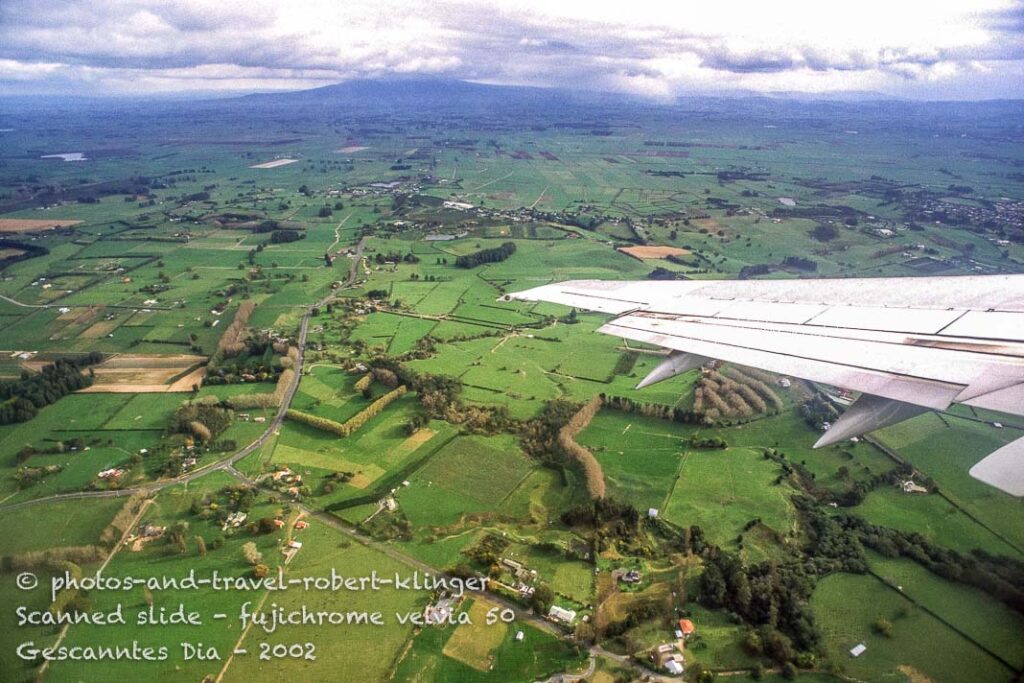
(908, 344)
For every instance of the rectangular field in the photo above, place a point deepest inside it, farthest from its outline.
(33, 225)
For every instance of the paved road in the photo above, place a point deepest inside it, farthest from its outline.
(227, 464)
(58, 302)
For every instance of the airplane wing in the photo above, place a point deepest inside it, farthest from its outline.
(908, 344)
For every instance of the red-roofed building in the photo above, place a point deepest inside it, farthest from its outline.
(687, 627)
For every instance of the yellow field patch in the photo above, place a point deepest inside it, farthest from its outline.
(100, 329)
(653, 252)
(30, 225)
(913, 674)
(195, 377)
(414, 442)
(618, 605)
(137, 373)
(474, 644)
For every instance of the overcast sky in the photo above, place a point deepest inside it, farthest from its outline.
(935, 49)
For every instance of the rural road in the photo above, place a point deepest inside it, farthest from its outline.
(18, 303)
(228, 463)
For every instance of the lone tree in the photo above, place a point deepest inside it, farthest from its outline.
(251, 554)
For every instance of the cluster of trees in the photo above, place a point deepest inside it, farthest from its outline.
(122, 521)
(638, 613)
(710, 442)
(264, 399)
(439, 396)
(204, 418)
(22, 398)
(27, 476)
(800, 263)
(824, 232)
(19, 251)
(661, 273)
(28, 450)
(1000, 577)
(830, 546)
(582, 457)
(487, 551)
(539, 436)
(331, 481)
(769, 594)
(232, 342)
(817, 411)
(353, 423)
(285, 236)
(718, 396)
(658, 410)
(394, 257)
(613, 522)
(363, 383)
(33, 559)
(492, 255)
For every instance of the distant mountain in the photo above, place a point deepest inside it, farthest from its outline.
(438, 92)
(838, 96)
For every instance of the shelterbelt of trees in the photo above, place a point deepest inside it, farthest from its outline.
(353, 423)
(23, 397)
(493, 255)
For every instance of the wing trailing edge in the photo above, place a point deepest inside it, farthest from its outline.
(908, 345)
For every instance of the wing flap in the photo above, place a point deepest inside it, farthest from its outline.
(946, 365)
(924, 392)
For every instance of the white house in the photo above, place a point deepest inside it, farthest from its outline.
(566, 616)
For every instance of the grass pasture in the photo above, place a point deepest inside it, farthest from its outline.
(470, 474)
(536, 657)
(920, 641)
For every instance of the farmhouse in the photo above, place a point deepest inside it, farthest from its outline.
(627, 576)
(668, 657)
(439, 613)
(687, 627)
(235, 519)
(910, 486)
(561, 615)
(858, 650)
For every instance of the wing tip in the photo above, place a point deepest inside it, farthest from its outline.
(1003, 469)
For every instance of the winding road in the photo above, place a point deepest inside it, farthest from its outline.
(228, 463)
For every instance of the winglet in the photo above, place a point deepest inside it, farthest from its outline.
(1003, 469)
(673, 365)
(867, 414)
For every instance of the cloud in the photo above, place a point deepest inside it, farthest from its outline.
(648, 47)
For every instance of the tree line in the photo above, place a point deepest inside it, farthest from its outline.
(353, 423)
(23, 397)
(584, 459)
(492, 255)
